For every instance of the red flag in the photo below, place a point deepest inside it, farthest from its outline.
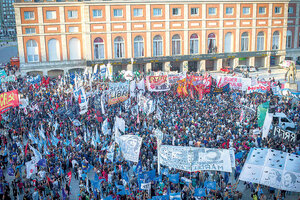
(70, 176)
(79, 99)
(26, 149)
(200, 93)
(49, 180)
(242, 116)
(47, 81)
(138, 118)
(43, 81)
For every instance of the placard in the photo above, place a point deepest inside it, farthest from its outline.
(118, 92)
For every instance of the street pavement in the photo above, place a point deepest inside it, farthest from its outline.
(7, 52)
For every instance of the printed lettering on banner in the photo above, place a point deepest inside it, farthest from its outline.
(158, 83)
(272, 168)
(284, 134)
(173, 78)
(195, 159)
(130, 147)
(118, 92)
(260, 88)
(8, 99)
(236, 83)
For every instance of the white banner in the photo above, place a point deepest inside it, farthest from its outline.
(236, 83)
(272, 168)
(132, 89)
(267, 125)
(130, 147)
(195, 159)
(141, 86)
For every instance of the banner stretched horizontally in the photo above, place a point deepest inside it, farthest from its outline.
(193, 159)
(236, 83)
(118, 92)
(272, 168)
(173, 78)
(260, 88)
(8, 99)
(158, 83)
(130, 147)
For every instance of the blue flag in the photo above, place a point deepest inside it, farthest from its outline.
(139, 168)
(212, 185)
(174, 178)
(200, 192)
(42, 162)
(10, 171)
(165, 197)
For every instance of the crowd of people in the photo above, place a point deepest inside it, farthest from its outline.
(72, 166)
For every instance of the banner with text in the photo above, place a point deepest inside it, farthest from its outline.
(272, 168)
(158, 83)
(193, 159)
(118, 92)
(236, 83)
(259, 88)
(173, 78)
(8, 99)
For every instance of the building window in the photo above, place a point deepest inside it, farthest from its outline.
(244, 41)
(28, 15)
(72, 14)
(157, 46)
(246, 10)
(73, 29)
(277, 10)
(138, 47)
(98, 48)
(229, 11)
(262, 10)
(97, 13)
(212, 11)
(275, 41)
(32, 51)
(260, 41)
(194, 11)
(53, 50)
(176, 11)
(138, 12)
(212, 48)
(118, 13)
(228, 42)
(29, 30)
(119, 47)
(289, 39)
(74, 49)
(51, 14)
(157, 12)
(176, 45)
(194, 44)
(291, 10)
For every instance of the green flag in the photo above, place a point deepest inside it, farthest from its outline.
(261, 113)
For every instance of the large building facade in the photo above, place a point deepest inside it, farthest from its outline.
(55, 37)
(7, 18)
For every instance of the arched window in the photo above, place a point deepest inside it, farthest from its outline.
(289, 39)
(75, 49)
(98, 48)
(138, 46)
(32, 51)
(119, 47)
(194, 44)
(53, 50)
(275, 40)
(260, 41)
(228, 42)
(245, 42)
(176, 45)
(157, 46)
(212, 43)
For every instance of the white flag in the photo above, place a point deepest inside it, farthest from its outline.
(30, 168)
(37, 154)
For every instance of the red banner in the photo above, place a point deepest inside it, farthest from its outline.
(8, 99)
(158, 83)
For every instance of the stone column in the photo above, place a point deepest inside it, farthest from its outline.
(267, 61)
(166, 66)
(235, 62)
(219, 65)
(42, 37)
(63, 33)
(202, 65)
(168, 45)
(108, 31)
(128, 28)
(21, 45)
(252, 61)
